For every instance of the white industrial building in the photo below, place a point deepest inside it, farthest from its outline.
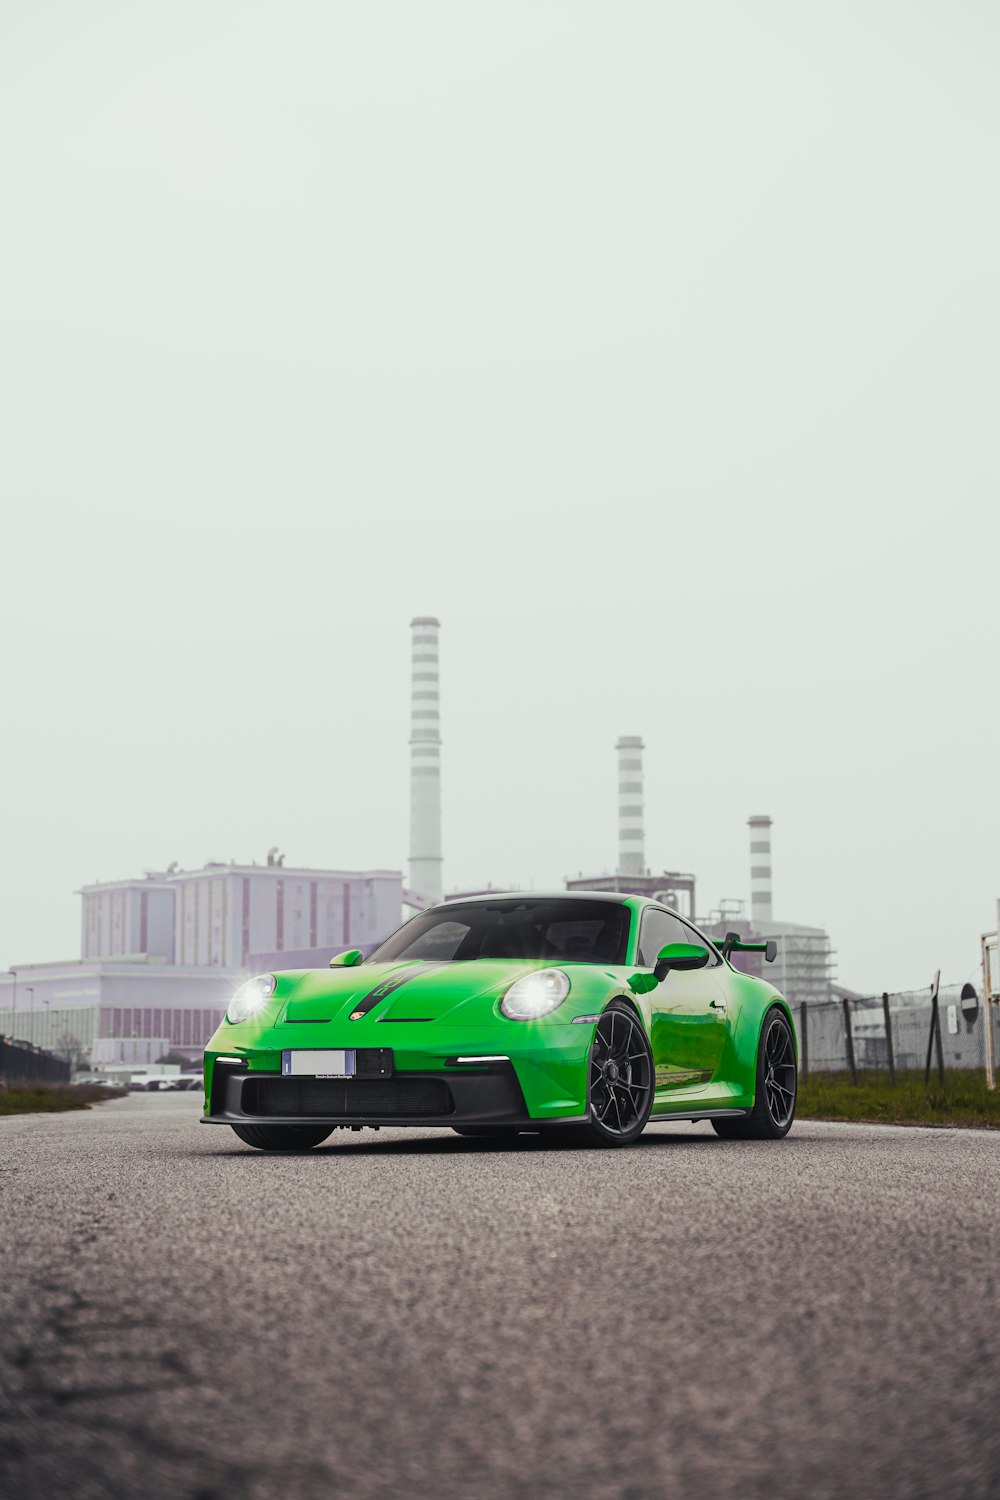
(161, 954)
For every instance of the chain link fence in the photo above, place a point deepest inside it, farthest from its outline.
(892, 1033)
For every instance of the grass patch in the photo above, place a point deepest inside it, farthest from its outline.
(53, 1098)
(963, 1099)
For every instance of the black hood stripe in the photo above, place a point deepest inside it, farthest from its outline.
(389, 987)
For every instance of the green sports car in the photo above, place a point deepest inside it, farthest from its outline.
(585, 1014)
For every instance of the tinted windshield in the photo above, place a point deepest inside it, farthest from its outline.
(589, 932)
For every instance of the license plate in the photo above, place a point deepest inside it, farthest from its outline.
(325, 1062)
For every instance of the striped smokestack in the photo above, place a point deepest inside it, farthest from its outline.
(631, 845)
(760, 869)
(425, 762)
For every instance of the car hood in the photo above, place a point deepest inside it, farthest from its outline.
(405, 991)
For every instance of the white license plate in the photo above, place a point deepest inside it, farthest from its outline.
(324, 1062)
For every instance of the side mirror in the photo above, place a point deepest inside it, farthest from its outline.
(771, 950)
(347, 960)
(679, 956)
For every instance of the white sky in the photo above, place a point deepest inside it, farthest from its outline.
(654, 347)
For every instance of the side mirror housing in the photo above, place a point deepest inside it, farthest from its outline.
(771, 950)
(679, 956)
(347, 960)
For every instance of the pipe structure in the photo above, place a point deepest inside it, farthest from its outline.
(761, 907)
(631, 838)
(425, 761)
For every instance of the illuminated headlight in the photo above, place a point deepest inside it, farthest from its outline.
(535, 995)
(251, 997)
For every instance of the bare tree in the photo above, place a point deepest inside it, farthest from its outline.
(69, 1049)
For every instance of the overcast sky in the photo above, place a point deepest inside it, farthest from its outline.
(653, 347)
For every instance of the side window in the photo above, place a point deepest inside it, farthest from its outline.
(690, 936)
(657, 930)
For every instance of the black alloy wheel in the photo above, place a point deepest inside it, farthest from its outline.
(621, 1082)
(777, 1086)
(780, 1077)
(282, 1137)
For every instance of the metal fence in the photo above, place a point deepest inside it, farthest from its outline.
(898, 1032)
(20, 1062)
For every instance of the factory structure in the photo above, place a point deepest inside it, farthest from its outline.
(425, 763)
(803, 968)
(160, 954)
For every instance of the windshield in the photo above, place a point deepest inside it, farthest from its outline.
(559, 931)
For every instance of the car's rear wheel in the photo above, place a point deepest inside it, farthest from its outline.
(777, 1086)
(282, 1137)
(621, 1081)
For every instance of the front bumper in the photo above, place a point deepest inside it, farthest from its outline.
(483, 1094)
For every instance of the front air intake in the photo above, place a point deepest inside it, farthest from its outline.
(353, 1098)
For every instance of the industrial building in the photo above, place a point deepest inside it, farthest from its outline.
(161, 954)
(674, 889)
(804, 965)
(802, 969)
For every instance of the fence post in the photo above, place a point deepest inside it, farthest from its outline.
(803, 1040)
(850, 1040)
(988, 1003)
(934, 1035)
(888, 1039)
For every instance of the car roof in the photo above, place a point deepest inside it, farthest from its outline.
(616, 896)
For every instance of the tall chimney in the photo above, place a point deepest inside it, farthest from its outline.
(631, 846)
(760, 870)
(425, 762)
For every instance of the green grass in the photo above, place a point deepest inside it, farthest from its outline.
(963, 1099)
(50, 1098)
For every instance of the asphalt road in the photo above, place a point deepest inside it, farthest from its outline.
(408, 1314)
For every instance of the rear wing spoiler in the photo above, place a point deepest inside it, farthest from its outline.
(735, 944)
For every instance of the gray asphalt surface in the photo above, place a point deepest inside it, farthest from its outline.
(408, 1314)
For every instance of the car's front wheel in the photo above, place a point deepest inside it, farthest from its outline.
(621, 1081)
(282, 1137)
(777, 1086)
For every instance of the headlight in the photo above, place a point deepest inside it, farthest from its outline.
(535, 995)
(251, 997)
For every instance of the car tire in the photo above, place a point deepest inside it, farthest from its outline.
(773, 1113)
(623, 1036)
(282, 1137)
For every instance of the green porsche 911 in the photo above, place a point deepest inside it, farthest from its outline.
(585, 1014)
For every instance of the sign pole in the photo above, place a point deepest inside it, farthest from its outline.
(934, 1035)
